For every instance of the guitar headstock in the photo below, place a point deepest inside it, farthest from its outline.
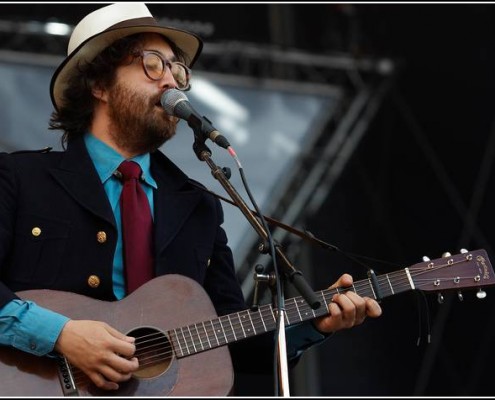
(468, 269)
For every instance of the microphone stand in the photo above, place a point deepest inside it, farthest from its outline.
(295, 277)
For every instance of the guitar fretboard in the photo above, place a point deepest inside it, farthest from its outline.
(230, 328)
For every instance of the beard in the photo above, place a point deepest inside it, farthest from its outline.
(137, 124)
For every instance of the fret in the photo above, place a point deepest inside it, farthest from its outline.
(366, 291)
(409, 278)
(297, 308)
(304, 310)
(215, 332)
(227, 328)
(224, 331)
(371, 286)
(177, 340)
(273, 322)
(312, 310)
(308, 311)
(199, 337)
(291, 313)
(232, 327)
(390, 284)
(185, 341)
(262, 320)
(207, 336)
(330, 295)
(252, 324)
(322, 310)
(220, 330)
(192, 340)
(404, 276)
(240, 323)
(246, 323)
(322, 294)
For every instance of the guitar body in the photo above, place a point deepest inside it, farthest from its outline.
(162, 304)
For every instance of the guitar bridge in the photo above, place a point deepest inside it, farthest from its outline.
(66, 378)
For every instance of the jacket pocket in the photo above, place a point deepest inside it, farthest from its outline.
(39, 248)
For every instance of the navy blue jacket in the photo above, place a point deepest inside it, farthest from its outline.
(61, 194)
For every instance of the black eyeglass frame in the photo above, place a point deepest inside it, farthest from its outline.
(165, 64)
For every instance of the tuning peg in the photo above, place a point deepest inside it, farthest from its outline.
(481, 294)
(440, 298)
(426, 259)
(464, 251)
(460, 296)
(446, 254)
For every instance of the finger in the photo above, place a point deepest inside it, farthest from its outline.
(122, 364)
(344, 281)
(121, 344)
(335, 312)
(119, 335)
(124, 348)
(101, 382)
(359, 304)
(112, 375)
(373, 309)
(347, 309)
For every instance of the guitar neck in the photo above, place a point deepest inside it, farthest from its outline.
(465, 270)
(230, 328)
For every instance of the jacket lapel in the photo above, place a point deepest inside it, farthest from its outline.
(77, 175)
(173, 203)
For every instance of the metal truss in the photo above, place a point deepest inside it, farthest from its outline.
(364, 83)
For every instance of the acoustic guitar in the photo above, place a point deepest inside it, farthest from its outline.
(181, 342)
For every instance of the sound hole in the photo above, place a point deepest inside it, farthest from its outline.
(153, 351)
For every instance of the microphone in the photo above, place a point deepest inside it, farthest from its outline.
(176, 103)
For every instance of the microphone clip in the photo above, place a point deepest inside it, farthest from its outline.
(201, 150)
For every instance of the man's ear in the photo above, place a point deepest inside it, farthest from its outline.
(99, 93)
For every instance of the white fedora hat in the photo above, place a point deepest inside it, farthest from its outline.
(102, 27)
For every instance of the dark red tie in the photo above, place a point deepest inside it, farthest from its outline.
(137, 228)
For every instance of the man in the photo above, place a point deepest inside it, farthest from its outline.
(62, 223)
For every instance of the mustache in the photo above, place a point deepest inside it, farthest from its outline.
(155, 101)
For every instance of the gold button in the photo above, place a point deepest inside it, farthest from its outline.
(36, 231)
(93, 281)
(101, 236)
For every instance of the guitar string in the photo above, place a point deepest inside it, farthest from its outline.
(293, 313)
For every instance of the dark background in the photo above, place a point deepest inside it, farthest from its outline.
(419, 184)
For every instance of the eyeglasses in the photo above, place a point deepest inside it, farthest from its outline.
(154, 66)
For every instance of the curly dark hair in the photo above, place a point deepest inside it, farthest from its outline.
(75, 116)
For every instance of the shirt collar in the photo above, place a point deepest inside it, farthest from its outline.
(107, 160)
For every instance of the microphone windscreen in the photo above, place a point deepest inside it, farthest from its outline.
(170, 99)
